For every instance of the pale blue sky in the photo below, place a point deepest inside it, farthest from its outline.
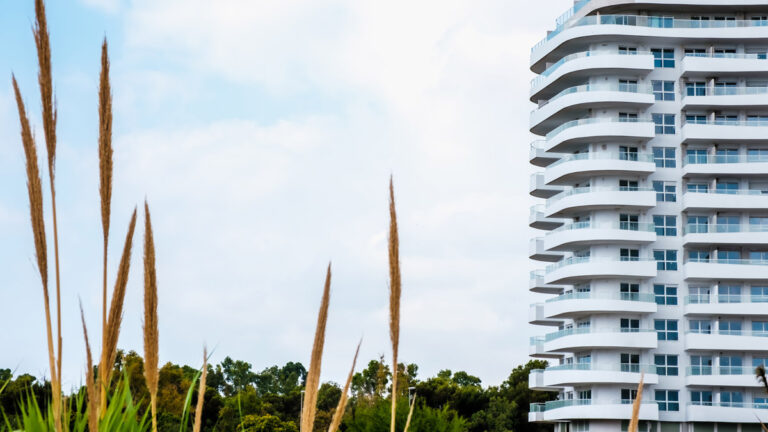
(263, 134)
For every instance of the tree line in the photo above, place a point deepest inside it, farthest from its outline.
(237, 398)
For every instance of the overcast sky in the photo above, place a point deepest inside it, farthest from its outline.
(263, 134)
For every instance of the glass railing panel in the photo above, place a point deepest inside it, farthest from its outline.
(595, 120)
(631, 157)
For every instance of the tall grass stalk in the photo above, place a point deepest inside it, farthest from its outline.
(201, 393)
(410, 414)
(635, 420)
(395, 288)
(151, 332)
(313, 375)
(90, 382)
(342, 406)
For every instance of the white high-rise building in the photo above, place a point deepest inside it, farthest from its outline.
(653, 125)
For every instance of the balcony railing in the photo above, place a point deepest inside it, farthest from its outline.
(546, 406)
(580, 260)
(728, 55)
(589, 189)
(718, 370)
(625, 367)
(724, 159)
(756, 333)
(624, 296)
(721, 192)
(648, 21)
(615, 87)
(555, 66)
(728, 122)
(622, 156)
(738, 261)
(587, 330)
(725, 298)
(725, 91)
(623, 226)
(723, 228)
(763, 405)
(594, 120)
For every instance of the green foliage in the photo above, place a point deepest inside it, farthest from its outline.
(266, 423)
(375, 417)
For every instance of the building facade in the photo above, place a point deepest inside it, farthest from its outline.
(653, 242)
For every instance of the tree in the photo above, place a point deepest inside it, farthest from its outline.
(266, 423)
(237, 375)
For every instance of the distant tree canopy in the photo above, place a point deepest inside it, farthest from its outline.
(239, 399)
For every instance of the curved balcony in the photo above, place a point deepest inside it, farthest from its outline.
(536, 284)
(716, 340)
(718, 269)
(599, 198)
(726, 304)
(645, 30)
(575, 269)
(569, 135)
(537, 219)
(721, 376)
(721, 200)
(577, 101)
(574, 167)
(536, 316)
(726, 412)
(696, 235)
(726, 98)
(536, 349)
(725, 130)
(707, 65)
(575, 374)
(537, 251)
(738, 165)
(577, 235)
(587, 409)
(585, 338)
(577, 304)
(577, 67)
(540, 157)
(536, 381)
(540, 189)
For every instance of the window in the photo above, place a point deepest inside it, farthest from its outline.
(628, 86)
(760, 402)
(665, 364)
(630, 362)
(701, 365)
(758, 294)
(730, 327)
(629, 254)
(696, 52)
(666, 329)
(627, 153)
(759, 361)
(665, 225)
(696, 88)
(627, 117)
(699, 294)
(728, 256)
(629, 325)
(727, 187)
(730, 365)
(665, 294)
(663, 57)
(665, 191)
(731, 399)
(701, 398)
(700, 326)
(757, 155)
(668, 400)
(698, 224)
(727, 155)
(728, 223)
(731, 119)
(760, 328)
(580, 426)
(665, 123)
(629, 291)
(759, 257)
(585, 394)
(627, 50)
(696, 119)
(661, 22)
(698, 256)
(628, 396)
(729, 293)
(697, 187)
(665, 259)
(663, 90)
(664, 157)
(629, 222)
(628, 185)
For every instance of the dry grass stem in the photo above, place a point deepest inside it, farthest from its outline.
(634, 421)
(90, 384)
(313, 376)
(342, 406)
(116, 313)
(410, 414)
(201, 393)
(35, 192)
(394, 295)
(151, 333)
(105, 169)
